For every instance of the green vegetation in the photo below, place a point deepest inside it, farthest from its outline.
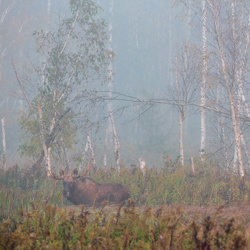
(34, 214)
(55, 228)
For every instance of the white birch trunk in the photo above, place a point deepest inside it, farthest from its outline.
(92, 152)
(86, 148)
(235, 159)
(221, 130)
(170, 49)
(45, 149)
(245, 149)
(180, 113)
(142, 166)
(110, 68)
(4, 145)
(239, 113)
(116, 143)
(192, 164)
(236, 134)
(105, 150)
(48, 7)
(240, 66)
(203, 85)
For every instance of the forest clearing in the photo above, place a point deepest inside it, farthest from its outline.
(168, 209)
(97, 85)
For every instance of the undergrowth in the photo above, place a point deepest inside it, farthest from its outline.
(34, 214)
(53, 228)
(173, 184)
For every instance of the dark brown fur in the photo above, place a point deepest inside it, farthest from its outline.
(88, 192)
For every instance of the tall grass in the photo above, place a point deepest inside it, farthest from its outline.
(172, 184)
(53, 228)
(19, 189)
(176, 184)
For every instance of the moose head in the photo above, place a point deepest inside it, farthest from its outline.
(68, 179)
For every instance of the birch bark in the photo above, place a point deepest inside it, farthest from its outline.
(180, 113)
(203, 85)
(105, 150)
(116, 143)
(45, 149)
(110, 68)
(221, 131)
(92, 152)
(48, 7)
(142, 166)
(240, 66)
(233, 115)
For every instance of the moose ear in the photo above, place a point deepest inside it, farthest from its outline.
(75, 172)
(61, 172)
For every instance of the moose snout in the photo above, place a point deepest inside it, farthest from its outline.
(65, 193)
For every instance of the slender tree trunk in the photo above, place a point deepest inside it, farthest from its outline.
(45, 149)
(142, 166)
(110, 68)
(221, 131)
(4, 145)
(180, 113)
(92, 152)
(237, 135)
(236, 159)
(105, 150)
(192, 164)
(240, 113)
(203, 85)
(116, 143)
(241, 64)
(239, 71)
(49, 7)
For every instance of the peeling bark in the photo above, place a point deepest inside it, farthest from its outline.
(105, 150)
(180, 113)
(203, 85)
(45, 148)
(233, 115)
(116, 142)
(92, 152)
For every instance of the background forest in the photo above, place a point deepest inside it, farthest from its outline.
(177, 81)
(117, 84)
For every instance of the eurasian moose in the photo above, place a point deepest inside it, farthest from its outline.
(86, 191)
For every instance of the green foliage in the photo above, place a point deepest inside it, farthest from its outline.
(176, 184)
(75, 55)
(19, 187)
(53, 228)
(31, 218)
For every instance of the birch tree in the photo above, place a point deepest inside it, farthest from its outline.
(204, 73)
(229, 91)
(181, 113)
(76, 54)
(116, 143)
(187, 78)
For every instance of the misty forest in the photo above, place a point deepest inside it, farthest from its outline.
(125, 124)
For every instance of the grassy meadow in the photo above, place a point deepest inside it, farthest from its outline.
(170, 208)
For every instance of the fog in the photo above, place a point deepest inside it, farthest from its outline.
(146, 35)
